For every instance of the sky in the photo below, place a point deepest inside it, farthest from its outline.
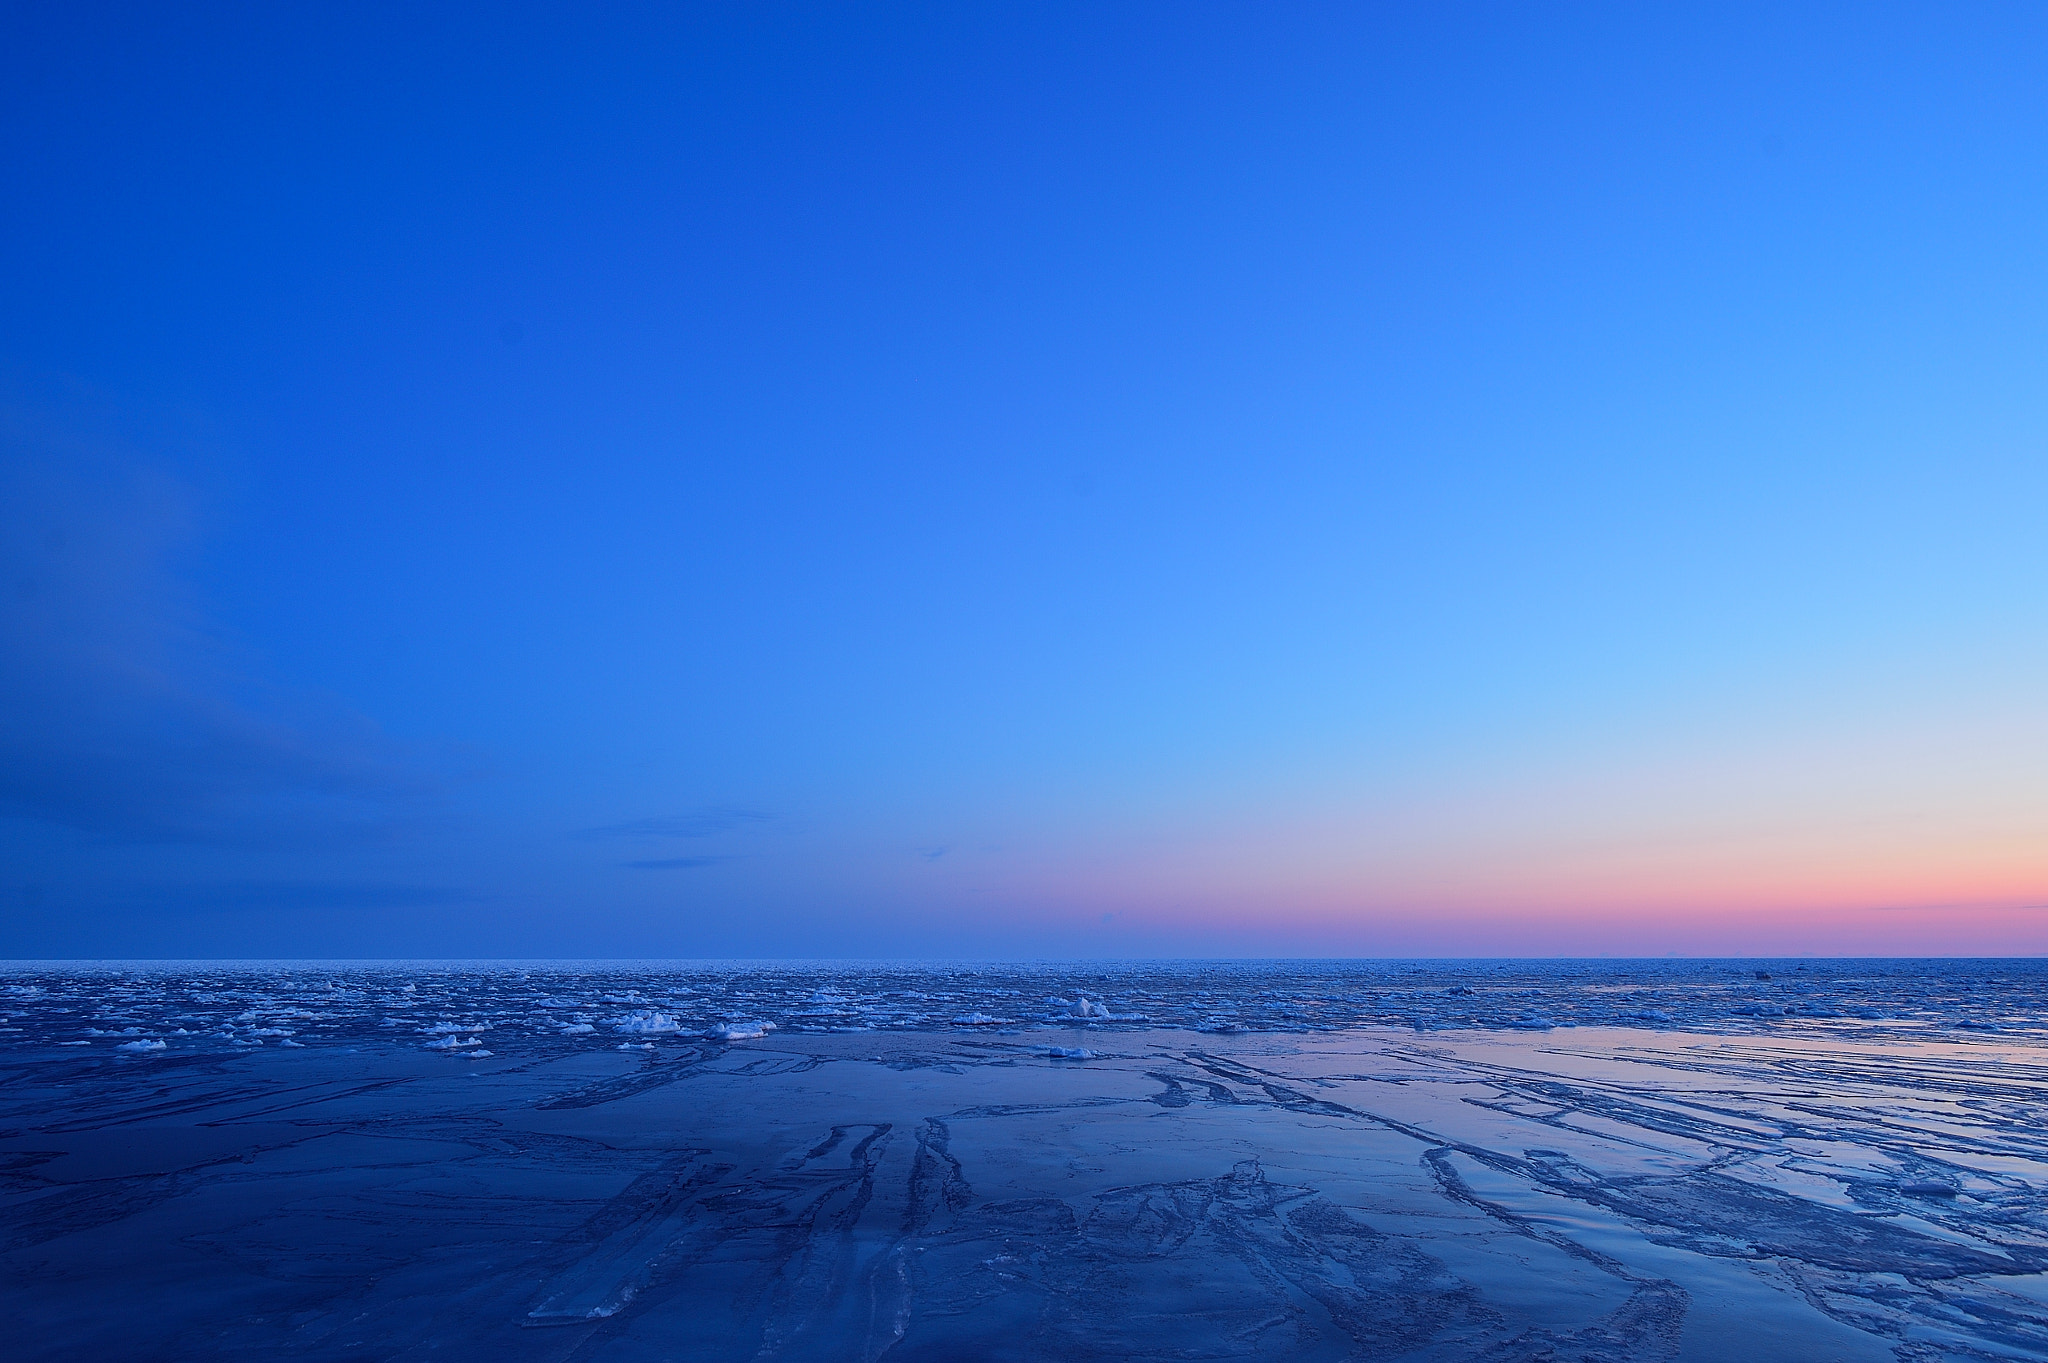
(1023, 480)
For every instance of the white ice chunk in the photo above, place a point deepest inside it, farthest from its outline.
(646, 1022)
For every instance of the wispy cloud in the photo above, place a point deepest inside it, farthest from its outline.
(702, 823)
(256, 896)
(677, 863)
(130, 714)
(1959, 908)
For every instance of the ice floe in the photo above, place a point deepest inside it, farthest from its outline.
(646, 1022)
(228, 1006)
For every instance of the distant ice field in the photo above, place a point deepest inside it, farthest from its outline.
(544, 1007)
(1414, 1162)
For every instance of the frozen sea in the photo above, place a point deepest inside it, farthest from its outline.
(1540, 1161)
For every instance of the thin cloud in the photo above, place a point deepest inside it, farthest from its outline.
(702, 823)
(677, 863)
(1958, 908)
(256, 896)
(131, 717)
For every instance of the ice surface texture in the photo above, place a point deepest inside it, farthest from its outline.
(1785, 1186)
(540, 1009)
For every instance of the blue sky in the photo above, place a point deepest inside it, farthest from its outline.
(1032, 480)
